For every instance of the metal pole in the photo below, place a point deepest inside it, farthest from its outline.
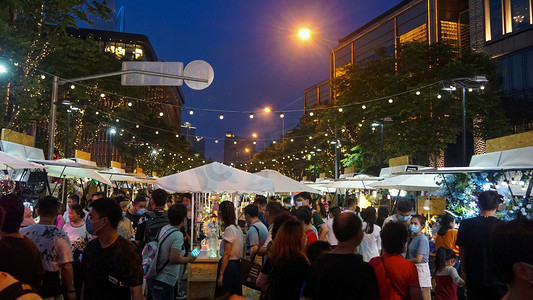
(68, 132)
(52, 125)
(336, 154)
(109, 148)
(283, 134)
(152, 167)
(464, 128)
(381, 154)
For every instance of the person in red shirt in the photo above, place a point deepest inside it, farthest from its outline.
(304, 215)
(397, 277)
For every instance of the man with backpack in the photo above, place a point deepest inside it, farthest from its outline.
(257, 232)
(151, 222)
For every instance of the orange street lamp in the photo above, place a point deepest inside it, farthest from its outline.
(268, 109)
(254, 135)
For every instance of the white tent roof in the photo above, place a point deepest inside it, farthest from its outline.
(125, 177)
(70, 169)
(284, 184)
(215, 178)
(508, 158)
(10, 161)
(409, 182)
(352, 184)
(22, 151)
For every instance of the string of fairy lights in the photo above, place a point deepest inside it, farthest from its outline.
(128, 100)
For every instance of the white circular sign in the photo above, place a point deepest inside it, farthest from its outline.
(201, 70)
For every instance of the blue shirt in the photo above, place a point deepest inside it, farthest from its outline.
(419, 245)
(252, 236)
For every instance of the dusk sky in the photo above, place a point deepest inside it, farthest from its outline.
(253, 48)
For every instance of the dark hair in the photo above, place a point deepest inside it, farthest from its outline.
(420, 219)
(443, 254)
(510, 243)
(119, 199)
(274, 208)
(98, 194)
(323, 213)
(227, 213)
(261, 200)
(404, 206)
(108, 208)
(159, 197)
(187, 195)
(251, 210)
(280, 219)
(140, 198)
(48, 206)
(383, 213)
(304, 195)
(176, 214)
(335, 211)
(445, 224)
(488, 200)
(74, 198)
(346, 226)
(78, 209)
(317, 249)
(369, 216)
(393, 237)
(303, 214)
(349, 202)
(14, 213)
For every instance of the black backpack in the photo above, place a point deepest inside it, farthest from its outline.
(154, 225)
(16, 290)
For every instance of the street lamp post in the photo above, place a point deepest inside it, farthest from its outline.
(379, 123)
(154, 152)
(112, 132)
(69, 110)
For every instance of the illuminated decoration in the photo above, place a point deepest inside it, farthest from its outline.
(282, 115)
(390, 100)
(268, 109)
(130, 104)
(177, 135)
(157, 132)
(311, 114)
(363, 107)
(97, 113)
(418, 93)
(72, 87)
(161, 114)
(216, 141)
(43, 77)
(7, 184)
(251, 115)
(102, 95)
(439, 96)
(221, 117)
(340, 109)
(191, 112)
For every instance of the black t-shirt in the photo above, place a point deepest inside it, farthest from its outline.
(109, 273)
(141, 226)
(341, 276)
(474, 236)
(286, 281)
(133, 218)
(21, 259)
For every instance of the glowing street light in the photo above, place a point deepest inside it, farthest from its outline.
(304, 33)
(268, 109)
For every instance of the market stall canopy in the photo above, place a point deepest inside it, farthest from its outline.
(284, 184)
(363, 183)
(12, 162)
(126, 177)
(22, 151)
(507, 158)
(215, 178)
(409, 182)
(70, 169)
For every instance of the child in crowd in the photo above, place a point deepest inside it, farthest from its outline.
(446, 277)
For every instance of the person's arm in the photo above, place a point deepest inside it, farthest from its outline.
(67, 275)
(253, 252)
(415, 293)
(455, 276)
(417, 259)
(176, 258)
(136, 292)
(263, 281)
(323, 232)
(462, 257)
(225, 260)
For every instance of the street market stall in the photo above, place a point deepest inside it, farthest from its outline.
(284, 184)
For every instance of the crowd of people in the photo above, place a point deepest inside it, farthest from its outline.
(309, 251)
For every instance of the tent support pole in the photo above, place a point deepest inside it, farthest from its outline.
(448, 187)
(528, 191)
(510, 190)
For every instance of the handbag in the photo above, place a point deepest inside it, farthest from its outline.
(249, 273)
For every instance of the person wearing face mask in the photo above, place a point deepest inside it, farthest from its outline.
(403, 213)
(136, 210)
(111, 265)
(418, 253)
(125, 228)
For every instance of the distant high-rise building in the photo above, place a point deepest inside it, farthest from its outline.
(237, 150)
(116, 19)
(189, 133)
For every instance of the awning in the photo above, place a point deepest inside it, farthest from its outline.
(284, 184)
(126, 177)
(408, 182)
(70, 169)
(12, 162)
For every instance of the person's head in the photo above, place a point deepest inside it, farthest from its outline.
(73, 199)
(251, 212)
(443, 258)
(321, 208)
(75, 213)
(393, 237)
(226, 213)
(47, 206)
(303, 199)
(383, 213)
(404, 210)
(317, 249)
(122, 202)
(105, 214)
(418, 222)
(347, 228)
(186, 200)
(97, 195)
(288, 243)
(139, 204)
(511, 245)
(334, 211)
(177, 214)
(350, 203)
(14, 210)
(369, 216)
(446, 222)
(272, 210)
(303, 214)
(261, 202)
(280, 219)
(488, 201)
(159, 198)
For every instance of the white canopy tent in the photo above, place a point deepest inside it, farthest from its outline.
(69, 169)
(126, 177)
(284, 184)
(8, 161)
(409, 182)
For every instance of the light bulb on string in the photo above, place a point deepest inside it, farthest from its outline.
(363, 107)
(157, 132)
(97, 113)
(102, 95)
(72, 86)
(439, 96)
(161, 114)
(43, 77)
(251, 116)
(117, 120)
(340, 109)
(221, 117)
(390, 100)
(191, 112)
(216, 141)
(311, 114)
(418, 93)
(137, 126)
(130, 104)
(282, 115)
(482, 87)
(177, 135)
(470, 90)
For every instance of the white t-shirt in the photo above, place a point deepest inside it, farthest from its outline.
(371, 243)
(331, 235)
(233, 234)
(53, 244)
(78, 236)
(269, 236)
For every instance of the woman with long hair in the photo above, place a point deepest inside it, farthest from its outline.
(370, 246)
(229, 266)
(447, 234)
(383, 213)
(446, 277)
(285, 269)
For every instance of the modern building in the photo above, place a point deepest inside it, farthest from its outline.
(237, 150)
(504, 30)
(189, 133)
(410, 20)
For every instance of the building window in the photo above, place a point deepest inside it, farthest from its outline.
(448, 31)
(418, 34)
(520, 12)
(506, 16)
